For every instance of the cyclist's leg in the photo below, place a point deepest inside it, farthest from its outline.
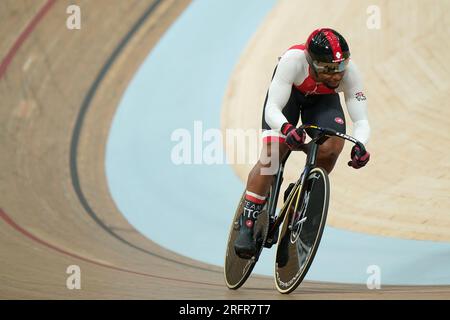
(261, 177)
(326, 111)
(274, 148)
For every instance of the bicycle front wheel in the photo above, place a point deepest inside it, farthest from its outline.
(301, 231)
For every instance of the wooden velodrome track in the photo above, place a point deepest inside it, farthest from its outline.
(59, 91)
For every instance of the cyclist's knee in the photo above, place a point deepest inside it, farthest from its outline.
(271, 153)
(331, 149)
(328, 153)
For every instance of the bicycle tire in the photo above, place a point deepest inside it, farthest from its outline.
(292, 259)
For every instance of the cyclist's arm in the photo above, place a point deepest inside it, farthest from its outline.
(356, 103)
(280, 90)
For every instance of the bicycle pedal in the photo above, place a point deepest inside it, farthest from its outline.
(270, 241)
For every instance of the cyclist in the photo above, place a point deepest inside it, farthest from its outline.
(305, 84)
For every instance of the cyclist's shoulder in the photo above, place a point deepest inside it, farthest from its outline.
(352, 81)
(292, 63)
(296, 50)
(300, 47)
(352, 66)
(352, 72)
(295, 54)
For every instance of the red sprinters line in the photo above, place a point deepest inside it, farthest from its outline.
(23, 36)
(31, 236)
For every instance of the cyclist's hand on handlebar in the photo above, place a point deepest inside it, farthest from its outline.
(358, 160)
(295, 137)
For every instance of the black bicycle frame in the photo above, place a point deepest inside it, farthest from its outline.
(276, 186)
(313, 148)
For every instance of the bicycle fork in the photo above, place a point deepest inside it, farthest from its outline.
(303, 196)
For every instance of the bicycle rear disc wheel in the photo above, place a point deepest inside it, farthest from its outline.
(236, 269)
(298, 244)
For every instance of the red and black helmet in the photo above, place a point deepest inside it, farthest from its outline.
(327, 51)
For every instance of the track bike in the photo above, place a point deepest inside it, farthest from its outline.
(301, 219)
